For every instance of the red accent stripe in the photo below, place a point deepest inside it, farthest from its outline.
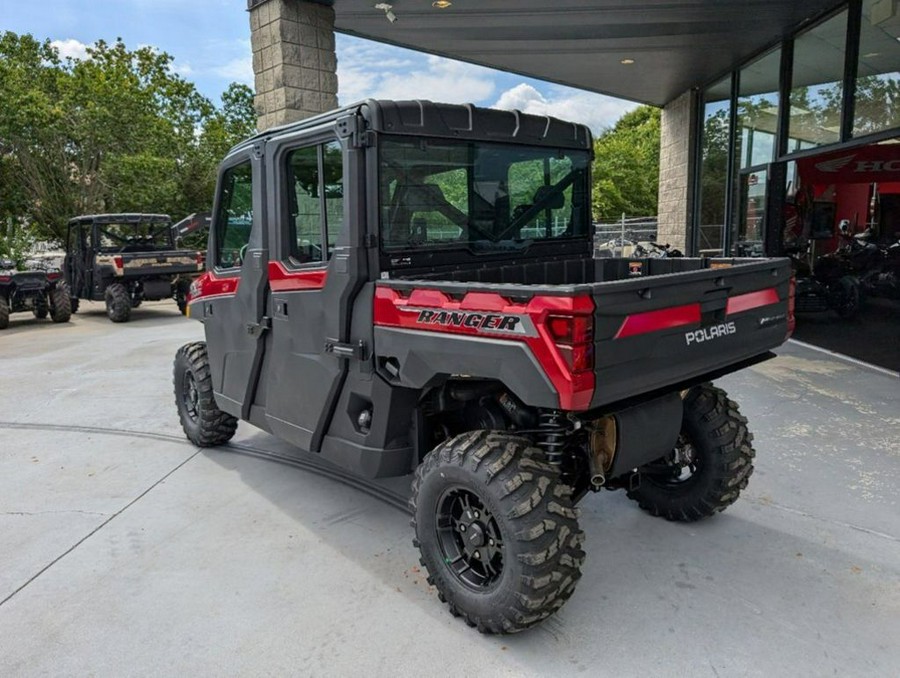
(751, 300)
(283, 280)
(575, 389)
(209, 285)
(661, 319)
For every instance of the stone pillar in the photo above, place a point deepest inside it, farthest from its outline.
(676, 164)
(294, 61)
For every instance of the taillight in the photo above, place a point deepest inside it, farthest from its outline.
(118, 262)
(54, 276)
(574, 339)
(792, 296)
(199, 259)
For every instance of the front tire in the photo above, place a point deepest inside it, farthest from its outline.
(846, 297)
(118, 303)
(60, 304)
(709, 467)
(497, 531)
(4, 313)
(203, 422)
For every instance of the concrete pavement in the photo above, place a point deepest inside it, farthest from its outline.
(126, 551)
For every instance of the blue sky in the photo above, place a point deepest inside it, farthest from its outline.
(210, 41)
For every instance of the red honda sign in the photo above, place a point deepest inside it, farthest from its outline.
(878, 163)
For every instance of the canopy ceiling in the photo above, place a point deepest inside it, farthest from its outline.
(675, 45)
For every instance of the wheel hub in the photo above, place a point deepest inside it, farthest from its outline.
(470, 539)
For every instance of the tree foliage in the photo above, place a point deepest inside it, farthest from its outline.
(626, 166)
(117, 131)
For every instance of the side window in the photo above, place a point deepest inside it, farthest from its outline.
(333, 163)
(235, 218)
(316, 195)
(306, 207)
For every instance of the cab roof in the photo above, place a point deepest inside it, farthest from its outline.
(123, 218)
(452, 121)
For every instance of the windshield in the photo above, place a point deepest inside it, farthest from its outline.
(134, 237)
(479, 196)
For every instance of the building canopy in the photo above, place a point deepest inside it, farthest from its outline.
(648, 51)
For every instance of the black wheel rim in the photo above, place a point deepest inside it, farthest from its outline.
(681, 466)
(190, 396)
(470, 539)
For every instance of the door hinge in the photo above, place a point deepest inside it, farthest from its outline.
(355, 351)
(256, 329)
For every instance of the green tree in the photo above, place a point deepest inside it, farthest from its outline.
(626, 166)
(117, 131)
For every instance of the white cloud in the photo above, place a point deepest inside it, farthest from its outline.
(597, 111)
(239, 70)
(71, 49)
(373, 70)
(240, 67)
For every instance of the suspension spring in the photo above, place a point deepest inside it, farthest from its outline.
(552, 436)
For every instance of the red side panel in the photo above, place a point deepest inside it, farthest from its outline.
(661, 319)
(283, 280)
(493, 316)
(210, 285)
(746, 302)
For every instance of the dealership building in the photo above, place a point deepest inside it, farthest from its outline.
(780, 118)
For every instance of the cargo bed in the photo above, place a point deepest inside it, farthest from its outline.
(658, 324)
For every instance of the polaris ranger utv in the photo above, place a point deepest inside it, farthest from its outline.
(41, 292)
(124, 259)
(408, 287)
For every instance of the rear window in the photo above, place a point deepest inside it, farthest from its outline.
(479, 196)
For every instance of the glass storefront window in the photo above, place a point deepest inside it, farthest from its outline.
(817, 83)
(757, 111)
(877, 96)
(714, 165)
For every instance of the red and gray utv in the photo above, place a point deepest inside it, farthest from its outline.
(409, 288)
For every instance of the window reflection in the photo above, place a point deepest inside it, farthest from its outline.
(877, 95)
(817, 83)
(714, 166)
(757, 110)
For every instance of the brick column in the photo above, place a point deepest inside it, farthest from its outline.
(676, 162)
(294, 61)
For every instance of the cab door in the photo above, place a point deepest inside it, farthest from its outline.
(234, 315)
(314, 277)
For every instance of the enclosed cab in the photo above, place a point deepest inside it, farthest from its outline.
(409, 288)
(125, 259)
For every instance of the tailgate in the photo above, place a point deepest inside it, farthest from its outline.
(658, 331)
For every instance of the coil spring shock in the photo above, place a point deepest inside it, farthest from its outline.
(552, 436)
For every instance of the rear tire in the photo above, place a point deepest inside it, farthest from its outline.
(118, 303)
(4, 313)
(203, 422)
(60, 304)
(40, 309)
(497, 531)
(182, 289)
(706, 472)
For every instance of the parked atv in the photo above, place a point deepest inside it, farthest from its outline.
(883, 279)
(375, 297)
(41, 292)
(827, 290)
(125, 259)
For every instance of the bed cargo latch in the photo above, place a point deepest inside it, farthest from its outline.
(355, 351)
